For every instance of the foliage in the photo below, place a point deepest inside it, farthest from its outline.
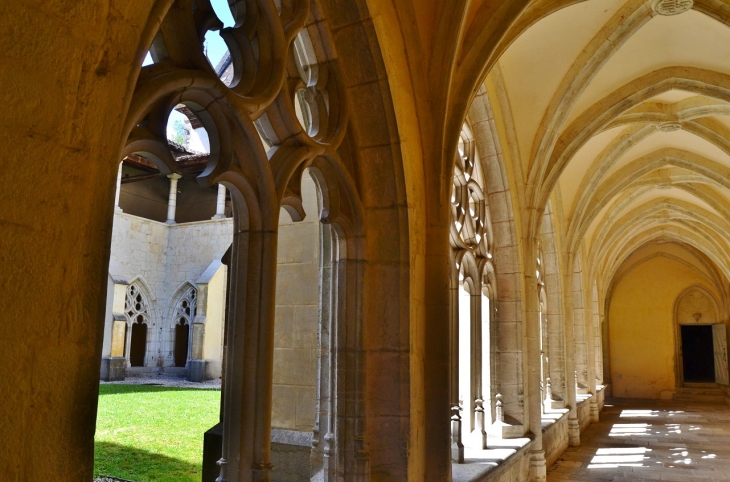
(178, 127)
(151, 433)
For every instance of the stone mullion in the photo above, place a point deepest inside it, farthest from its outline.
(321, 423)
(249, 371)
(457, 446)
(335, 440)
(476, 409)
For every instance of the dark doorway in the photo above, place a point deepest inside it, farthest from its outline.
(182, 333)
(698, 357)
(138, 345)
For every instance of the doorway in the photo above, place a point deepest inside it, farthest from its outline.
(182, 336)
(138, 345)
(698, 360)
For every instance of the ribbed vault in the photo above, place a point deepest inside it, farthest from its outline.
(620, 115)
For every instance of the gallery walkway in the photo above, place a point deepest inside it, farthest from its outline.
(638, 440)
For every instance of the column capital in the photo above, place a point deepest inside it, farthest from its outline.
(174, 176)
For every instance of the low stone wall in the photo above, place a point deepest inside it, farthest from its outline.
(290, 454)
(584, 413)
(555, 439)
(516, 467)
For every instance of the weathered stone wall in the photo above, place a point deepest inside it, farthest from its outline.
(164, 258)
(584, 413)
(297, 316)
(555, 439)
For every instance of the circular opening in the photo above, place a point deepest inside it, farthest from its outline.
(219, 56)
(185, 133)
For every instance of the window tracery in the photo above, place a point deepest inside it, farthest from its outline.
(472, 244)
(186, 307)
(275, 107)
(135, 305)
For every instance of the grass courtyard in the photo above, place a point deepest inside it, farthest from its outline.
(153, 434)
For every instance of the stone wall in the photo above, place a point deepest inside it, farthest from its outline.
(297, 316)
(164, 259)
(555, 439)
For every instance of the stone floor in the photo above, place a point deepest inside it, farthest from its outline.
(647, 440)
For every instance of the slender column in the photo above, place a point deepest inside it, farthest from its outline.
(172, 200)
(478, 437)
(569, 343)
(457, 446)
(538, 468)
(220, 207)
(119, 189)
(246, 416)
(591, 354)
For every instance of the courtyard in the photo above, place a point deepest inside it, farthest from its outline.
(151, 431)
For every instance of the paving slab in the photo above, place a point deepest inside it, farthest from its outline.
(651, 441)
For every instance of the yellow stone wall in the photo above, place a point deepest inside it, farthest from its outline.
(641, 327)
(297, 317)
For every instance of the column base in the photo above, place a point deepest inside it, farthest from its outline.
(203, 370)
(212, 450)
(594, 409)
(113, 368)
(573, 432)
(218, 216)
(538, 466)
(170, 222)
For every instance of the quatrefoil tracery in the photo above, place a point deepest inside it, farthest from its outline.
(470, 228)
(135, 305)
(286, 91)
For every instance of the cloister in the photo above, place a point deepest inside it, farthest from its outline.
(424, 240)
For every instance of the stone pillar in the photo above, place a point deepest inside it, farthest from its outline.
(591, 354)
(569, 343)
(249, 363)
(457, 445)
(220, 207)
(172, 200)
(538, 467)
(119, 188)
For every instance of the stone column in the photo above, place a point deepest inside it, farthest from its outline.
(119, 188)
(591, 354)
(569, 343)
(538, 468)
(247, 386)
(220, 207)
(172, 200)
(457, 445)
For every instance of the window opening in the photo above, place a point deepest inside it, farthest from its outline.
(136, 311)
(184, 315)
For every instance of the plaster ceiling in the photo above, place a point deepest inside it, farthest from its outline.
(610, 100)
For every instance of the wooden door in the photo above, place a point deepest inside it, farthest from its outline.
(719, 340)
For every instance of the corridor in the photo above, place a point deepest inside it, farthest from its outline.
(647, 440)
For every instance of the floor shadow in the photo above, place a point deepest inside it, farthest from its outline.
(141, 466)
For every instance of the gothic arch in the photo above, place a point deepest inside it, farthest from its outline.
(180, 313)
(507, 303)
(260, 104)
(140, 309)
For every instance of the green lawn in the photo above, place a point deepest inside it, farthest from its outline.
(153, 434)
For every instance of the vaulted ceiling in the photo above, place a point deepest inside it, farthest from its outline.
(619, 112)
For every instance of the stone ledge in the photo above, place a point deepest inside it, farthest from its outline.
(501, 456)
